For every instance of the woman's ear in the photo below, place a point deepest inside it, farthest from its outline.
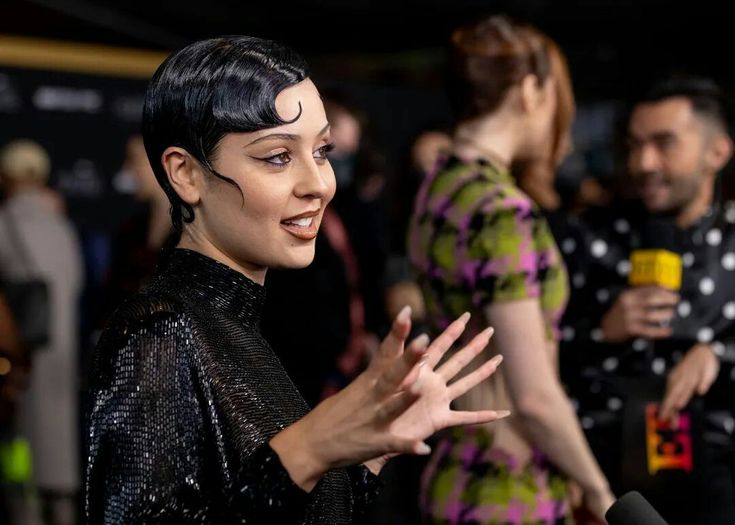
(531, 93)
(184, 174)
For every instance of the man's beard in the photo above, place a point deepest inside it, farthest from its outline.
(682, 192)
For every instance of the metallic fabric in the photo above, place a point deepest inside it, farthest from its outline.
(186, 394)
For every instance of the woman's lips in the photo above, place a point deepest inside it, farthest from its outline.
(304, 226)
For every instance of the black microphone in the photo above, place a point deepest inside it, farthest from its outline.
(633, 509)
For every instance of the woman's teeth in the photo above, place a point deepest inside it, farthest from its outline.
(304, 223)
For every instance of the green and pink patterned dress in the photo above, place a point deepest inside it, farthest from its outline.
(475, 239)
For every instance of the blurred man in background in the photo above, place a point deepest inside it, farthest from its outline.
(632, 349)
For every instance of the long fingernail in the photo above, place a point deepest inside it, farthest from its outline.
(497, 360)
(502, 413)
(421, 342)
(488, 332)
(465, 317)
(423, 449)
(404, 314)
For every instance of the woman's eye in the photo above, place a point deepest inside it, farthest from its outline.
(322, 152)
(279, 160)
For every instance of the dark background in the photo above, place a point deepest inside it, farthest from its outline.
(386, 56)
(612, 45)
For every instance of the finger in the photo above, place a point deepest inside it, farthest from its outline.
(666, 409)
(464, 356)
(656, 297)
(469, 381)
(705, 382)
(651, 332)
(447, 338)
(676, 398)
(392, 345)
(660, 315)
(398, 373)
(418, 347)
(409, 446)
(666, 412)
(475, 417)
(679, 386)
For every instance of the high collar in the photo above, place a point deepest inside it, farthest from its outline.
(211, 283)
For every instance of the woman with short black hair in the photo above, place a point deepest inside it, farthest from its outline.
(194, 420)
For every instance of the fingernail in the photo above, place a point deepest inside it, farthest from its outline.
(404, 314)
(423, 449)
(421, 342)
(502, 413)
(465, 317)
(488, 332)
(497, 360)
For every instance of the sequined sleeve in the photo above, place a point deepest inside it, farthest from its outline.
(150, 447)
(365, 487)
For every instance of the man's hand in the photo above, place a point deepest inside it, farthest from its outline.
(695, 373)
(640, 312)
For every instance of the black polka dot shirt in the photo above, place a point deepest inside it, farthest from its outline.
(597, 251)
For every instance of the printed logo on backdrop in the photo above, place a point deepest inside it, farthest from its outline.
(82, 180)
(10, 101)
(68, 99)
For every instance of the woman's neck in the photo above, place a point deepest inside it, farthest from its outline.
(195, 241)
(493, 138)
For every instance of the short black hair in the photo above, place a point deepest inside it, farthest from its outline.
(211, 88)
(705, 95)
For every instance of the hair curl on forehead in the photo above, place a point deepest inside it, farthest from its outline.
(211, 88)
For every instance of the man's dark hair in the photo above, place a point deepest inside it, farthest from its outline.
(704, 94)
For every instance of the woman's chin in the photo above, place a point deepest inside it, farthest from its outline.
(296, 261)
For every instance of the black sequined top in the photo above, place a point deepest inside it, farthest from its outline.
(185, 397)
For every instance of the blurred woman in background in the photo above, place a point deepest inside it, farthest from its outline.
(480, 243)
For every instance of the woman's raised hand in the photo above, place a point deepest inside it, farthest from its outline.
(401, 399)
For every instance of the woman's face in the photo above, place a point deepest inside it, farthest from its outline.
(286, 183)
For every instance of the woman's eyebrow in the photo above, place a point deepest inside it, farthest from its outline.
(282, 136)
(286, 136)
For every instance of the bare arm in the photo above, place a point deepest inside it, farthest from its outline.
(539, 400)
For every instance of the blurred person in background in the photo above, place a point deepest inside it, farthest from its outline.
(628, 347)
(422, 155)
(13, 378)
(342, 290)
(361, 171)
(136, 248)
(481, 243)
(48, 411)
(427, 148)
